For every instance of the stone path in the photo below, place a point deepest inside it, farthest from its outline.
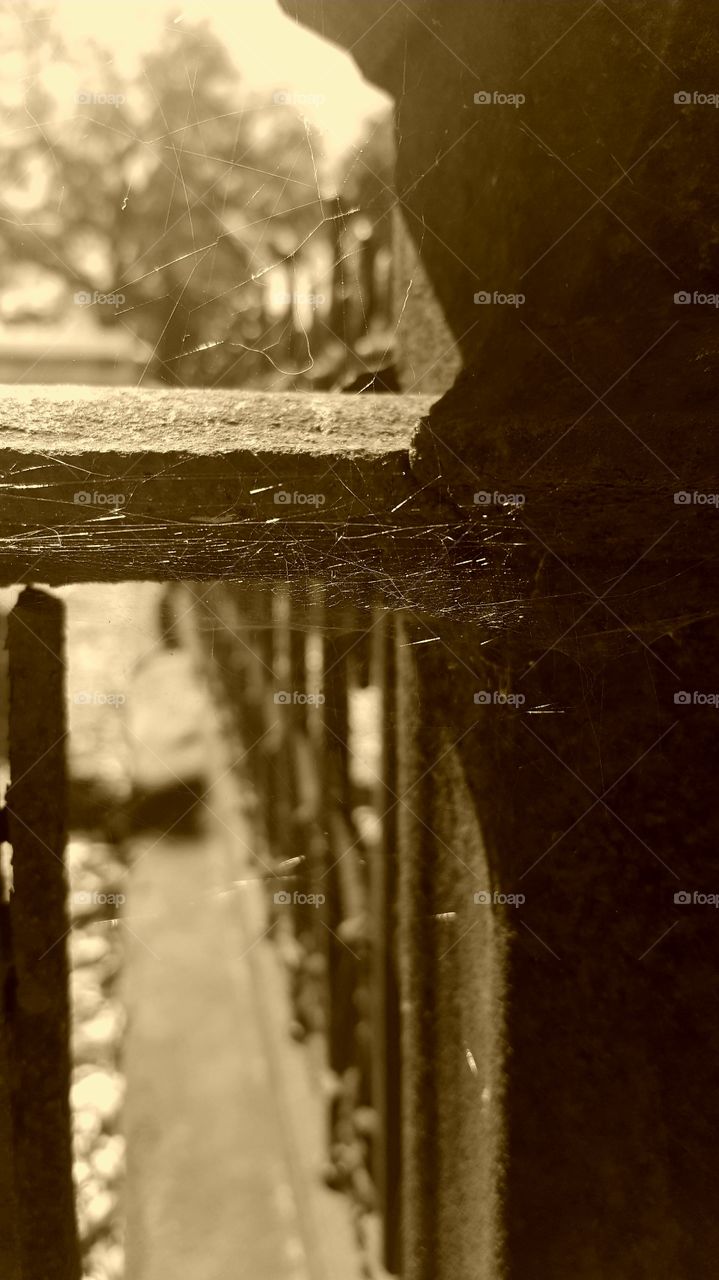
(223, 1130)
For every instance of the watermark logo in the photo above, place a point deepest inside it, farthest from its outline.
(694, 98)
(483, 498)
(686, 498)
(95, 698)
(497, 299)
(285, 499)
(285, 899)
(697, 899)
(696, 698)
(95, 498)
(695, 298)
(102, 99)
(496, 98)
(298, 699)
(487, 898)
(302, 299)
(83, 298)
(285, 98)
(495, 698)
(92, 898)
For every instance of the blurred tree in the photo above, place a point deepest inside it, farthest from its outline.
(219, 196)
(171, 189)
(358, 327)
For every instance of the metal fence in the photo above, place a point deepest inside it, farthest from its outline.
(311, 694)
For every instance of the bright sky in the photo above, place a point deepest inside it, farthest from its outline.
(270, 50)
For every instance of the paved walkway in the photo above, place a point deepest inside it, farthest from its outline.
(209, 1195)
(224, 1134)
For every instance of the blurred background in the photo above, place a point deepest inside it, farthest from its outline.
(193, 196)
(200, 196)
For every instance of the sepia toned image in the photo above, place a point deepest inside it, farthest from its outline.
(359, 688)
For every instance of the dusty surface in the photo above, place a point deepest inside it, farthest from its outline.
(117, 485)
(194, 421)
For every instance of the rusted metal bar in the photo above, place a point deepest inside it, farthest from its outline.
(282, 792)
(236, 625)
(246, 637)
(9, 1242)
(417, 856)
(36, 998)
(386, 1058)
(334, 764)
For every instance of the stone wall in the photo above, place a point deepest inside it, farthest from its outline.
(558, 1056)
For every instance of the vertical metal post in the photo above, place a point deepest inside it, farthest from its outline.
(36, 1012)
(386, 1060)
(9, 1242)
(336, 789)
(417, 877)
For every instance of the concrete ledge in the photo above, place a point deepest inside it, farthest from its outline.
(117, 485)
(109, 485)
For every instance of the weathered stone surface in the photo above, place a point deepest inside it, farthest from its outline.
(130, 420)
(157, 485)
(111, 485)
(561, 1091)
(596, 197)
(427, 354)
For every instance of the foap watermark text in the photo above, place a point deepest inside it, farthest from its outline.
(695, 98)
(498, 299)
(496, 698)
(85, 98)
(498, 98)
(493, 898)
(286, 499)
(695, 698)
(284, 698)
(283, 898)
(84, 298)
(97, 698)
(683, 898)
(96, 498)
(487, 498)
(91, 898)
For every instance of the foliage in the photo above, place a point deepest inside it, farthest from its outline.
(170, 189)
